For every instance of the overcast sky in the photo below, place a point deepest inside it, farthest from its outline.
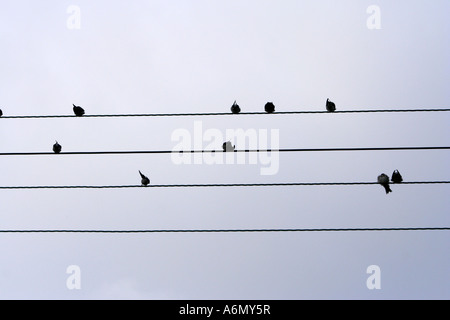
(200, 56)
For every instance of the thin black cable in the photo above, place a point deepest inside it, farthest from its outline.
(285, 184)
(221, 151)
(219, 113)
(231, 230)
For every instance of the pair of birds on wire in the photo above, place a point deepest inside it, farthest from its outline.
(383, 179)
(269, 107)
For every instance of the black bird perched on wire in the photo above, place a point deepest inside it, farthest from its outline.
(331, 107)
(228, 147)
(269, 107)
(144, 180)
(383, 179)
(235, 108)
(57, 147)
(1, 112)
(396, 177)
(79, 111)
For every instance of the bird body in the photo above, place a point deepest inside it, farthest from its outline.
(396, 177)
(235, 108)
(1, 112)
(57, 147)
(144, 180)
(383, 179)
(228, 147)
(79, 111)
(269, 107)
(331, 107)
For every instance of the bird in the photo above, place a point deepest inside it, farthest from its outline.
(79, 111)
(1, 112)
(396, 177)
(269, 107)
(235, 108)
(383, 179)
(57, 147)
(144, 180)
(331, 107)
(227, 147)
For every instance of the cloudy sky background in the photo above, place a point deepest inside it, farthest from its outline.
(199, 56)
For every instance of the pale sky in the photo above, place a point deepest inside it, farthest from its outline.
(199, 56)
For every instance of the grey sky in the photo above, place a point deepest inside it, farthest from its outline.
(200, 56)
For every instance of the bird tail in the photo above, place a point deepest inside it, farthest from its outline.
(388, 189)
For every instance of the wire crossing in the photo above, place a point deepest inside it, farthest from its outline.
(221, 151)
(232, 230)
(220, 113)
(285, 184)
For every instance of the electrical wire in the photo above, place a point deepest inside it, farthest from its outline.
(285, 184)
(220, 113)
(231, 230)
(221, 151)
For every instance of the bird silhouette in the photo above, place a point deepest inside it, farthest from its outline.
(331, 107)
(396, 177)
(235, 108)
(79, 111)
(383, 179)
(57, 147)
(1, 112)
(228, 147)
(144, 180)
(269, 107)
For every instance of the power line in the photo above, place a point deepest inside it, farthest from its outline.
(221, 151)
(286, 184)
(219, 113)
(231, 230)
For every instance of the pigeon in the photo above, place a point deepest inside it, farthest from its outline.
(144, 180)
(79, 111)
(331, 107)
(383, 179)
(227, 147)
(57, 147)
(235, 108)
(269, 107)
(1, 112)
(396, 177)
